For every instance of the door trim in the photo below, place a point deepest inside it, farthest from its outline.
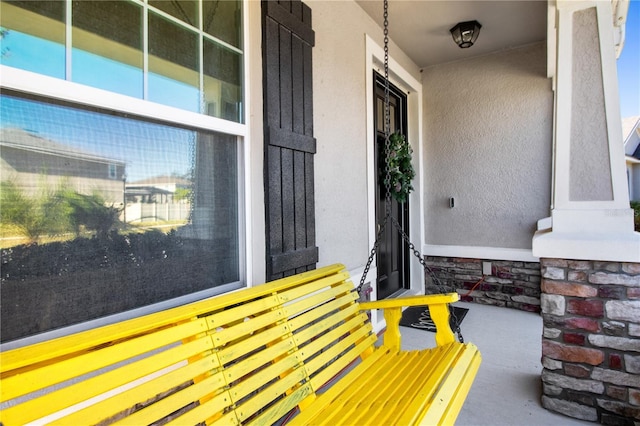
(399, 76)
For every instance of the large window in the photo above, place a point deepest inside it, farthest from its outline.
(119, 192)
(186, 54)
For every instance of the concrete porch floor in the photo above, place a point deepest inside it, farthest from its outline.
(507, 389)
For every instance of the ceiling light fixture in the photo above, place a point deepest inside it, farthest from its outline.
(465, 33)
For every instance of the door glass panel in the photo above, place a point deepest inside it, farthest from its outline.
(107, 46)
(222, 20)
(222, 81)
(173, 64)
(380, 115)
(392, 119)
(32, 36)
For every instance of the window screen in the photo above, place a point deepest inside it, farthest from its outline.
(103, 213)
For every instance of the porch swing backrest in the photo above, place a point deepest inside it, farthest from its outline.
(249, 357)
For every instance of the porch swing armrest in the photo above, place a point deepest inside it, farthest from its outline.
(438, 309)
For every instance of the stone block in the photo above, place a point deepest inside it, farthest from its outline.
(530, 291)
(633, 292)
(568, 289)
(487, 301)
(606, 266)
(526, 271)
(498, 296)
(614, 279)
(631, 268)
(614, 328)
(620, 408)
(553, 273)
(528, 285)
(551, 390)
(574, 338)
(586, 308)
(612, 292)
(577, 370)
(632, 363)
(504, 273)
(625, 310)
(634, 397)
(551, 364)
(634, 330)
(570, 409)
(616, 377)
(617, 392)
(552, 304)
(578, 276)
(582, 323)
(534, 279)
(570, 353)
(466, 260)
(526, 299)
(608, 419)
(559, 263)
(528, 308)
(614, 342)
(551, 333)
(583, 398)
(615, 362)
(576, 384)
(495, 280)
(579, 265)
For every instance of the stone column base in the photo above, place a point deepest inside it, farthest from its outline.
(591, 340)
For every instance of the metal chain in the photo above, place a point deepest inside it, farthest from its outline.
(387, 150)
(387, 185)
(387, 115)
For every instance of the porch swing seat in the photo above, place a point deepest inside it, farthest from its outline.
(301, 348)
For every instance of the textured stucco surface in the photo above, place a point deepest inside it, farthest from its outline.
(340, 114)
(488, 144)
(589, 169)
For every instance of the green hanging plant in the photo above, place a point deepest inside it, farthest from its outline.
(401, 171)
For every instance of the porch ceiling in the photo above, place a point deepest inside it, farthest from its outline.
(421, 27)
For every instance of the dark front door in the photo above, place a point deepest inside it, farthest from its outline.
(392, 254)
(287, 40)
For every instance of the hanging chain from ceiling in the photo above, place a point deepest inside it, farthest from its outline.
(438, 286)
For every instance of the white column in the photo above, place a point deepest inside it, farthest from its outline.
(590, 216)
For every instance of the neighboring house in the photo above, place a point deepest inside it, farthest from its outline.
(37, 164)
(158, 189)
(631, 135)
(520, 171)
(155, 199)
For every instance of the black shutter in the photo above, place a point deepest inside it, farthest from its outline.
(287, 40)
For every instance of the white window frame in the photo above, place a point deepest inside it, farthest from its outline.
(27, 82)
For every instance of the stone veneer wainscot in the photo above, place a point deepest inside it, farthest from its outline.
(591, 340)
(512, 284)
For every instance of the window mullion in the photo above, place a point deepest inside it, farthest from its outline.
(68, 41)
(145, 52)
(201, 59)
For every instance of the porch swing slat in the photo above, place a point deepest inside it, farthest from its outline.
(248, 357)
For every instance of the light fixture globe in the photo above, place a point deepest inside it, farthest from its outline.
(465, 33)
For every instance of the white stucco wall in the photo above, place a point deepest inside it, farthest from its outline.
(488, 144)
(340, 128)
(589, 165)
